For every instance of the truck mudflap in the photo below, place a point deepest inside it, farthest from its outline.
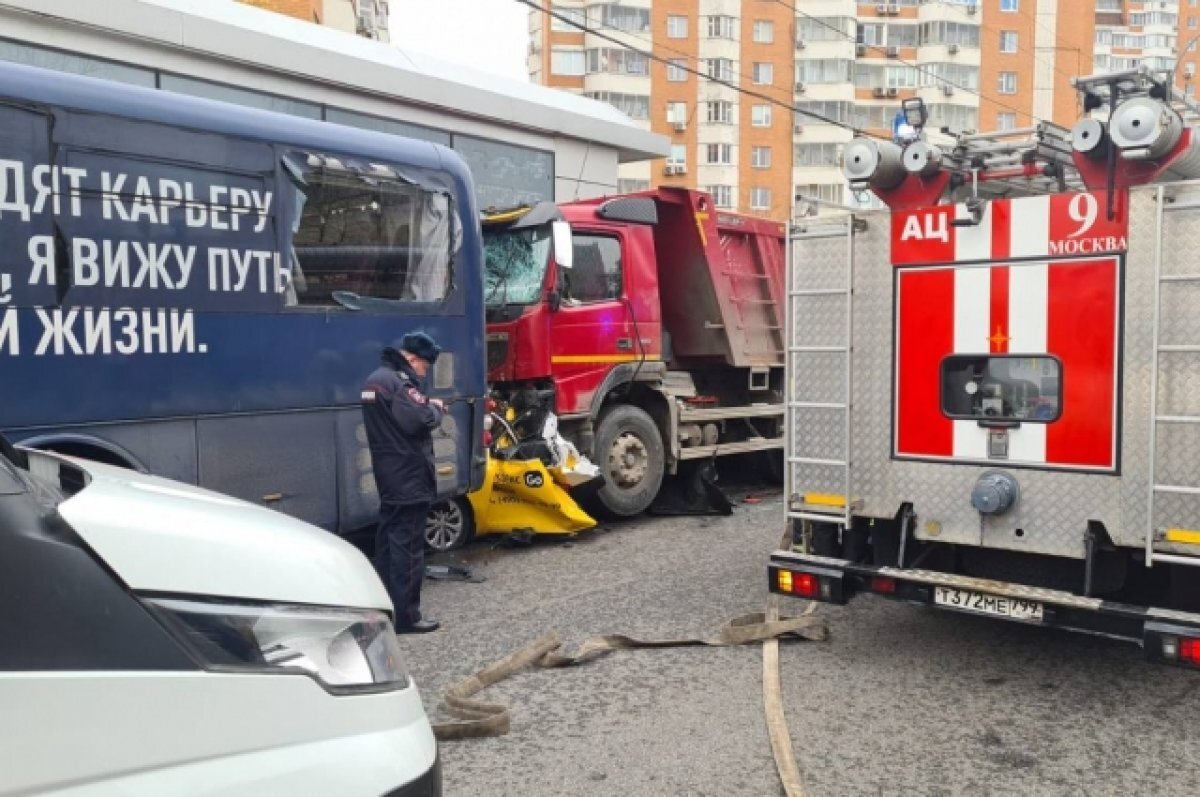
(1165, 634)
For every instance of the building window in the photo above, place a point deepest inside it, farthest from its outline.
(719, 112)
(575, 15)
(760, 198)
(722, 195)
(617, 62)
(677, 114)
(677, 70)
(760, 157)
(677, 27)
(760, 116)
(1010, 5)
(815, 155)
(568, 62)
(615, 15)
(719, 154)
(1008, 83)
(764, 74)
(632, 186)
(720, 69)
(678, 156)
(720, 27)
(764, 31)
(635, 106)
(1008, 41)
(821, 192)
(1006, 121)
(871, 34)
(1192, 22)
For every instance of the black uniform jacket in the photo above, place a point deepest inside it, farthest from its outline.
(400, 422)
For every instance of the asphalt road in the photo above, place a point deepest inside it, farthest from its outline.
(901, 700)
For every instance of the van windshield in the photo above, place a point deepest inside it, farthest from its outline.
(515, 264)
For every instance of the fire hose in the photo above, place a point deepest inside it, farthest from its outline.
(475, 718)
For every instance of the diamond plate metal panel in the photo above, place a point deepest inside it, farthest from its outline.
(1055, 506)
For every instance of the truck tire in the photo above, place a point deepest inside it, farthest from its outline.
(629, 453)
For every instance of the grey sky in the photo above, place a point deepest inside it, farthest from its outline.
(489, 35)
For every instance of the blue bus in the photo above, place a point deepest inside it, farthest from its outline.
(198, 290)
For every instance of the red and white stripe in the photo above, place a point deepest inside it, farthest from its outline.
(1064, 308)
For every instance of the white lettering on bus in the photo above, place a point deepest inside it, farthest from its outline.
(160, 265)
(10, 341)
(41, 255)
(101, 331)
(110, 197)
(229, 270)
(12, 189)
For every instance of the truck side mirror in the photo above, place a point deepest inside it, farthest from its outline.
(554, 300)
(564, 252)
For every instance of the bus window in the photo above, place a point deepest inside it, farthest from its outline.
(366, 231)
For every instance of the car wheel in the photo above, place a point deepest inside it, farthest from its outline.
(449, 525)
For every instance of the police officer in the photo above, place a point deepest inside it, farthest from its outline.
(400, 420)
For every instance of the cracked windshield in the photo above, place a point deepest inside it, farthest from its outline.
(515, 263)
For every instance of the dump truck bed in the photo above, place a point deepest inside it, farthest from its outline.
(721, 281)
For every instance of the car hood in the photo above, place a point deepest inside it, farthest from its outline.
(164, 536)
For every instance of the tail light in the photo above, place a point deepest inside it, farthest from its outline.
(814, 585)
(883, 585)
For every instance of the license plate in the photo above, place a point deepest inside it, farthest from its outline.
(967, 601)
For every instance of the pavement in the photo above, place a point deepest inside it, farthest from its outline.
(902, 700)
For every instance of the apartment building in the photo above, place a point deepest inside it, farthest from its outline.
(367, 18)
(732, 134)
(843, 65)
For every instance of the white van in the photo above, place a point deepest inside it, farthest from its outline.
(158, 639)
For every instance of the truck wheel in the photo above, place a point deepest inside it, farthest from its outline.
(449, 525)
(629, 453)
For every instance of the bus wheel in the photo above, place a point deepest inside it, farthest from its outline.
(629, 453)
(449, 525)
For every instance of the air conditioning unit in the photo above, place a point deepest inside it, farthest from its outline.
(893, 9)
(893, 52)
(680, 126)
(860, 49)
(953, 48)
(880, 92)
(893, 92)
(881, 9)
(673, 169)
(947, 89)
(797, 128)
(800, 45)
(799, 87)
(972, 9)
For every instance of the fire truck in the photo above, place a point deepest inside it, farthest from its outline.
(992, 390)
(649, 324)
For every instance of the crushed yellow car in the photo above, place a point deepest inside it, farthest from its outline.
(518, 496)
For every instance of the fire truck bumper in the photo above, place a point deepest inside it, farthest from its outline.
(1165, 634)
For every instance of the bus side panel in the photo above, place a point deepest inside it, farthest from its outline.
(280, 460)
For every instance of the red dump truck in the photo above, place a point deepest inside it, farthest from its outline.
(649, 323)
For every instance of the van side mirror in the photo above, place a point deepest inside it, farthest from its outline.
(564, 251)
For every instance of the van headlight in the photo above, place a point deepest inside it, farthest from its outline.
(346, 650)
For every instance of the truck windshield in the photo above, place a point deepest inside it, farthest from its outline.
(515, 264)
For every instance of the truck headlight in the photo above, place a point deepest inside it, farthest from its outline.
(346, 650)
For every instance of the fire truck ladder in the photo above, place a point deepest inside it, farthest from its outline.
(826, 299)
(1157, 420)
